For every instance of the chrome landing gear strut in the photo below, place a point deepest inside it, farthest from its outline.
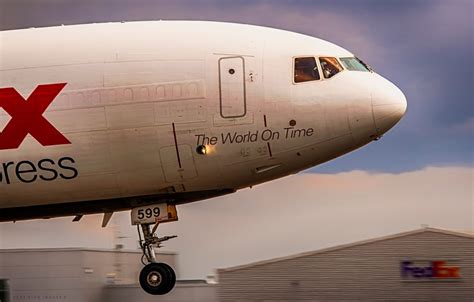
(155, 278)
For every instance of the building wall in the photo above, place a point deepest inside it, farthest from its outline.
(70, 275)
(42, 276)
(358, 273)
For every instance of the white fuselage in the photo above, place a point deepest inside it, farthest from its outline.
(140, 97)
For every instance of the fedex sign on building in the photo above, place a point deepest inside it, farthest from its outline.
(429, 270)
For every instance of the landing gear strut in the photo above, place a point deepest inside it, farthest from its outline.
(155, 278)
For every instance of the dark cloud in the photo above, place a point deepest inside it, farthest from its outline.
(425, 47)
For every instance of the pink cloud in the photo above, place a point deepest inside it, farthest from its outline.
(290, 215)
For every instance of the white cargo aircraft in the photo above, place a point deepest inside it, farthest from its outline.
(149, 115)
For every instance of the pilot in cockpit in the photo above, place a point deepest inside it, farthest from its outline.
(330, 66)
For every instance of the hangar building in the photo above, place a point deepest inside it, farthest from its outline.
(423, 265)
(72, 275)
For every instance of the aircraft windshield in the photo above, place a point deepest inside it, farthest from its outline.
(353, 63)
(330, 66)
(306, 69)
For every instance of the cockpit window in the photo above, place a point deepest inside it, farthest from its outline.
(330, 66)
(355, 64)
(306, 70)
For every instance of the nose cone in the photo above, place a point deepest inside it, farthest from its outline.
(389, 104)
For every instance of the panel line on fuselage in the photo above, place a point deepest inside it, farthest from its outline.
(176, 145)
(268, 143)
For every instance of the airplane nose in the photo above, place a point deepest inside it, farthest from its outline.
(389, 105)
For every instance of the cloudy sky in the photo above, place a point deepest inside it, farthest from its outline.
(421, 172)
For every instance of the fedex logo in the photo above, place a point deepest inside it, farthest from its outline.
(27, 117)
(434, 270)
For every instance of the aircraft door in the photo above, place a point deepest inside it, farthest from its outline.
(232, 90)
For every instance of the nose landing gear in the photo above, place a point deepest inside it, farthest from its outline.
(155, 278)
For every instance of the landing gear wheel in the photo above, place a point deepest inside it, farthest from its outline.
(157, 278)
(172, 273)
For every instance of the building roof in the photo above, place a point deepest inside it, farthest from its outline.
(468, 235)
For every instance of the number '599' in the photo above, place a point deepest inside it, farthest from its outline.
(148, 213)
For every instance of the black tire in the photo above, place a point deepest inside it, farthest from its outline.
(156, 279)
(173, 276)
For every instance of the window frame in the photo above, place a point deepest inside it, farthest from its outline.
(316, 59)
(369, 69)
(320, 69)
(337, 59)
